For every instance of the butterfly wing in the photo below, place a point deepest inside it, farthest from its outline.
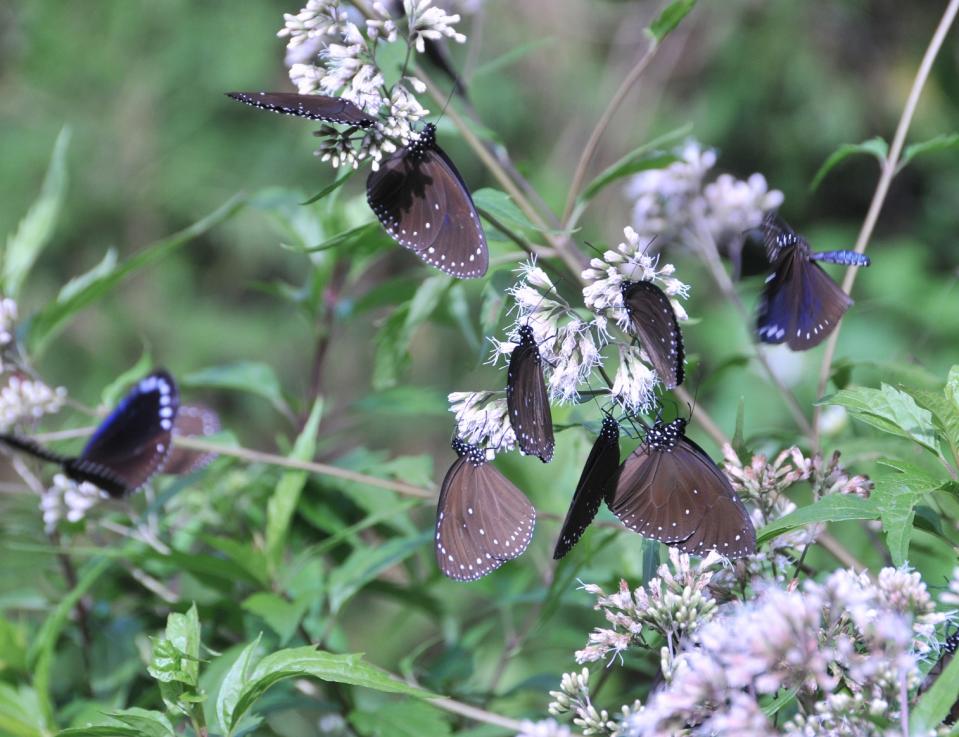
(800, 304)
(192, 421)
(482, 521)
(425, 206)
(653, 320)
(598, 473)
(725, 526)
(134, 441)
(681, 498)
(527, 402)
(312, 107)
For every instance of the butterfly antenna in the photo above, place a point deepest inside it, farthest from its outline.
(449, 99)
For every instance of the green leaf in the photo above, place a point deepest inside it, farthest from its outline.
(512, 56)
(176, 656)
(898, 490)
(935, 704)
(366, 563)
(329, 189)
(833, 508)
(280, 615)
(393, 340)
(890, 410)
(280, 508)
(21, 713)
(86, 289)
(944, 411)
(501, 207)
(401, 719)
(303, 662)
(361, 239)
(942, 142)
(251, 559)
(233, 684)
(952, 387)
(671, 17)
(43, 648)
(651, 155)
(118, 387)
(874, 146)
(37, 226)
(102, 730)
(244, 376)
(147, 723)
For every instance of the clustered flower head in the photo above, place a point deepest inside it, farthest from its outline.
(67, 499)
(482, 419)
(346, 66)
(848, 649)
(28, 399)
(675, 205)
(673, 604)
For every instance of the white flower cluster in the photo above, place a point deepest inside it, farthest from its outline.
(635, 381)
(573, 696)
(673, 604)
(570, 347)
(23, 399)
(544, 728)
(846, 647)
(482, 419)
(346, 66)
(675, 205)
(67, 499)
(427, 22)
(8, 318)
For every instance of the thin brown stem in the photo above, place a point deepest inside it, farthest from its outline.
(592, 144)
(888, 172)
(321, 469)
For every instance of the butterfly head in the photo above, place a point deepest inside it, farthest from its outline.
(526, 336)
(425, 141)
(663, 436)
(610, 429)
(475, 455)
(952, 643)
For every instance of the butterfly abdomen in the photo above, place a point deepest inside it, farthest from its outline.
(843, 258)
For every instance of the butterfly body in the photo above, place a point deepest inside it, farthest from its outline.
(593, 487)
(311, 107)
(670, 490)
(482, 519)
(129, 446)
(653, 320)
(423, 203)
(527, 399)
(800, 304)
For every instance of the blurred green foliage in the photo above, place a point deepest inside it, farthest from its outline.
(269, 309)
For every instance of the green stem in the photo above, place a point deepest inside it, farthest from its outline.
(888, 172)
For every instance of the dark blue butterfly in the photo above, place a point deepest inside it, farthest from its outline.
(128, 447)
(800, 304)
(527, 399)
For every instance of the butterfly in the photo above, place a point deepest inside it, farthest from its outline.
(527, 400)
(482, 519)
(425, 206)
(593, 487)
(128, 447)
(313, 107)
(670, 490)
(653, 320)
(800, 304)
(949, 652)
(192, 420)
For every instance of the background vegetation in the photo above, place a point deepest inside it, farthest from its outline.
(265, 332)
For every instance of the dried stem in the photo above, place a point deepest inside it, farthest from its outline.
(593, 143)
(888, 171)
(321, 469)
